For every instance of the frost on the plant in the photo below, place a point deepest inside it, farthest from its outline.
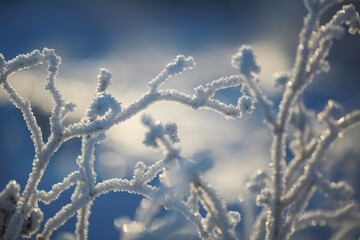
(104, 79)
(245, 61)
(9, 198)
(246, 104)
(104, 112)
(285, 196)
(182, 190)
(177, 66)
(172, 130)
(177, 183)
(102, 103)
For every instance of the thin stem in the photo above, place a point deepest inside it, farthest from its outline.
(25, 107)
(82, 224)
(28, 198)
(294, 88)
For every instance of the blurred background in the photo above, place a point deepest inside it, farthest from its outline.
(135, 40)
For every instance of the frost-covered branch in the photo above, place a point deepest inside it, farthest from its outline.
(104, 112)
(6, 69)
(246, 63)
(184, 180)
(330, 135)
(336, 217)
(314, 46)
(201, 99)
(57, 189)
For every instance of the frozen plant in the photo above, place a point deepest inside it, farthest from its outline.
(283, 193)
(181, 188)
(104, 112)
